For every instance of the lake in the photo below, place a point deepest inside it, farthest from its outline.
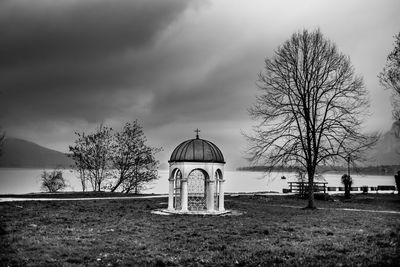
(20, 181)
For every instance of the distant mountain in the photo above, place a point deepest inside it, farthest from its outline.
(18, 153)
(387, 150)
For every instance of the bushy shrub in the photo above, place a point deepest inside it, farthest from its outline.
(347, 181)
(53, 181)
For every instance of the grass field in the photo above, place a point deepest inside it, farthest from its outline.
(124, 232)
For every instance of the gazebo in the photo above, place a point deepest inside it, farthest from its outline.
(196, 178)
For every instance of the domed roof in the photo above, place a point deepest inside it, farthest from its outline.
(197, 150)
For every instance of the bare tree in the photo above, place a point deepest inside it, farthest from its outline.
(91, 154)
(390, 76)
(80, 162)
(311, 107)
(132, 160)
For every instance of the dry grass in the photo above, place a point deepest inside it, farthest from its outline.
(125, 233)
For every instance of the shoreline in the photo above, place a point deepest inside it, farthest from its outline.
(230, 170)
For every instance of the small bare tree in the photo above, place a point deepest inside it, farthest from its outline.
(311, 107)
(80, 161)
(132, 160)
(91, 154)
(390, 76)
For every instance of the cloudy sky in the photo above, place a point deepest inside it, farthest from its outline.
(175, 65)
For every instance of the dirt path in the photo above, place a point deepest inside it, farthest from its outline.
(9, 199)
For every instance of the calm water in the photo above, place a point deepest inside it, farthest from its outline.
(18, 181)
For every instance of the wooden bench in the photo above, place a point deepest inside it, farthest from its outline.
(301, 188)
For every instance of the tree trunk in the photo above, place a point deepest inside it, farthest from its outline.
(83, 185)
(83, 181)
(346, 190)
(118, 184)
(136, 186)
(98, 184)
(136, 180)
(311, 202)
(115, 187)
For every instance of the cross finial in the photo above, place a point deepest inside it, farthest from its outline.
(197, 133)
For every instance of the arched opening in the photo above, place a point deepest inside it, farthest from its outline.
(218, 178)
(177, 177)
(197, 190)
(218, 174)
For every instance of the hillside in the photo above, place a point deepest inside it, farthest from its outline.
(18, 153)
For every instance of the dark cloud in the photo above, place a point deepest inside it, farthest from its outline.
(223, 94)
(37, 32)
(67, 59)
(175, 65)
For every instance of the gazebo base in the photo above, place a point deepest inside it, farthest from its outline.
(191, 212)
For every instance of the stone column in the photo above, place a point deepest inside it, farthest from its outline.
(184, 195)
(221, 195)
(171, 194)
(210, 196)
